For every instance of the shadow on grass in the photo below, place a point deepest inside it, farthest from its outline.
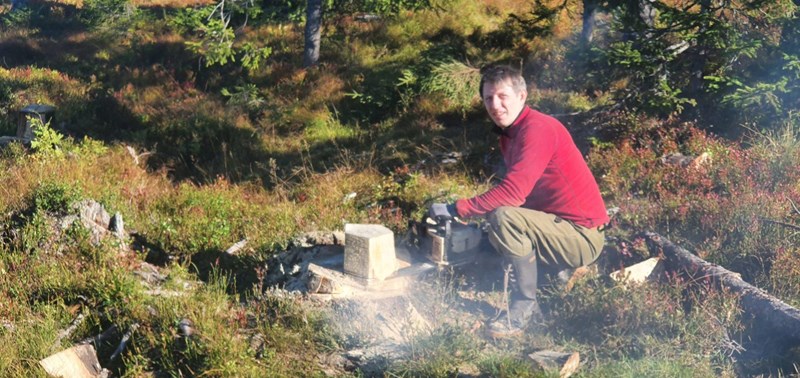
(241, 270)
(175, 109)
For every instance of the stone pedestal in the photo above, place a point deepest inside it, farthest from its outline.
(43, 112)
(369, 252)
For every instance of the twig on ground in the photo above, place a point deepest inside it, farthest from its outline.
(506, 299)
(124, 342)
(236, 247)
(64, 333)
(785, 224)
(96, 340)
(794, 206)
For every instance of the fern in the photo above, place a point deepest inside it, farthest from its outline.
(46, 143)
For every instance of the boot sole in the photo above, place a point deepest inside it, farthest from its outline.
(495, 334)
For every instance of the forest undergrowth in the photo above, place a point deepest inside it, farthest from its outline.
(201, 134)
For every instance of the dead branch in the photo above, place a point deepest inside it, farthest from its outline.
(794, 206)
(96, 340)
(124, 342)
(64, 333)
(236, 247)
(785, 224)
(766, 310)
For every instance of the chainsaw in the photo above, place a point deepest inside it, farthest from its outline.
(446, 242)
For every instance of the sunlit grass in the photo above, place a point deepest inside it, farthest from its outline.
(301, 150)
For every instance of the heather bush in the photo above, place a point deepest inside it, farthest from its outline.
(31, 85)
(197, 158)
(642, 324)
(728, 207)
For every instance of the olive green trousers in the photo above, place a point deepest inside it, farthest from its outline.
(517, 231)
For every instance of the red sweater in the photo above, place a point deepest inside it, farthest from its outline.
(545, 172)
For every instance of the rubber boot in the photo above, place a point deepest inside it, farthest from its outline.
(524, 307)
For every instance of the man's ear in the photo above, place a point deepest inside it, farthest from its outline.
(524, 94)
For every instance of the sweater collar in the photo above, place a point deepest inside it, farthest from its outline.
(512, 129)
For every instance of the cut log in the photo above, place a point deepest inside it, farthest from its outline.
(639, 273)
(767, 311)
(565, 363)
(76, 362)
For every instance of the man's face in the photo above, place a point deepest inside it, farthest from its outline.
(502, 102)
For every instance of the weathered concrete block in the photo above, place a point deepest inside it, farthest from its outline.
(24, 127)
(369, 251)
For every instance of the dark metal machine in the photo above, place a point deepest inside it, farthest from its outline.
(445, 242)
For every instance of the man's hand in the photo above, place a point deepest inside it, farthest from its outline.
(443, 211)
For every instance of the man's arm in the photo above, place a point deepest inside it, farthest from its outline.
(532, 150)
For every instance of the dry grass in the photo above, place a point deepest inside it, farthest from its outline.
(175, 4)
(301, 156)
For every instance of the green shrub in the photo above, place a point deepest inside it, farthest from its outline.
(457, 81)
(55, 197)
(726, 206)
(105, 13)
(47, 143)
(504, 366)
(691, 324)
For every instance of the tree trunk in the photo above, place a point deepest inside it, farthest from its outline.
(699, 59)
(638, 19)
(312, 33)
(18, 4)
(768, 312)
(647, 13)
(589, 19)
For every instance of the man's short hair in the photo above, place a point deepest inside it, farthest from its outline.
(500, 73)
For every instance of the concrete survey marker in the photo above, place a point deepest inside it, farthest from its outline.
(25, 127)
(326, 276)
(369, 252)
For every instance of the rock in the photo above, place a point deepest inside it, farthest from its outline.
(93, 214)
(318, 238)
(117, 226)
(565, 363)
(67, 221)
(149, 274)
(333, 364)
(682, 160)
(186, 327)
(257, 344)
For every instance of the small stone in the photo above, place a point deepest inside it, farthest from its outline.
(186, 327)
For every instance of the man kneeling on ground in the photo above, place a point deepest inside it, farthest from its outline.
(547, 209)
